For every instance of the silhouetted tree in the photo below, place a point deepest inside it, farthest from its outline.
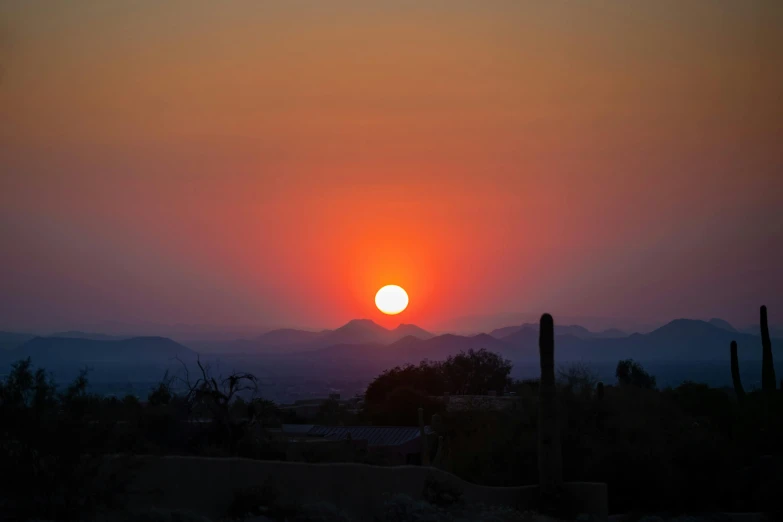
(578, 378)
(161, 394)
(214, 396)
(476, 372)
(46, 445)
(394, 396)
(631, 373)
(427, 378)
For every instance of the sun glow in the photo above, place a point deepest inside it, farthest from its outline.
(391, 299)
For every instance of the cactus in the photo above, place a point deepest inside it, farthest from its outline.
(438, 461)
(600, 414)
(735, 374)
(437, 423)
(550, 471)
(768, 383)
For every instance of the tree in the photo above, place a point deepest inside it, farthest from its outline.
(47, 441)
(161, 394)
(476, 372)
(395, 395)
(631, 373)
(578, 378)
(215, 395)
(401, 407)
(329, 412)
(427, 378)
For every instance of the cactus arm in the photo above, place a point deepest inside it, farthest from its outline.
(768, 381)
(549, 451)
(735, 374)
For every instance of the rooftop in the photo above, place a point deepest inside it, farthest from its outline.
(374, 435)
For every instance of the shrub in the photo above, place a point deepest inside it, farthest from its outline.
(631, 373)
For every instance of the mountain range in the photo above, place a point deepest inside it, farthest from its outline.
(575, 330)
(678, 340)
(363, 339)
(288, 340)
(74, 351)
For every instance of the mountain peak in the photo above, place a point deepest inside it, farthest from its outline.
(722, 324)
(686, 327)
(363, 324)
(405, 330)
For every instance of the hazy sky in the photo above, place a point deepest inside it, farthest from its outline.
(274, 163)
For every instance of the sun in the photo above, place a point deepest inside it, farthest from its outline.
(391, 299)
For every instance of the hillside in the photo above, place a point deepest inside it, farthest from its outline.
(406, 330)
(45, 351)
(288, 337)
(76, 334)
(12, 340)
(572, 329)
(678, 340)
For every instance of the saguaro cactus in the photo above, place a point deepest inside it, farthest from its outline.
(600, 414)
(550, 473)
(735, 374)
(438, 461)
(767, 365)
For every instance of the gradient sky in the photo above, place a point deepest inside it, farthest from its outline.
(274, 163)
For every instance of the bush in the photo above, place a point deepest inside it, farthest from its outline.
(46, 444)
(393, 397)
(631, 373)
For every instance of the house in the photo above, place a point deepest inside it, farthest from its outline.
(490, 402)
(391, 445)
(308, 409)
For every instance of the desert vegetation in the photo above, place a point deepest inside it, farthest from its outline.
(684, 449)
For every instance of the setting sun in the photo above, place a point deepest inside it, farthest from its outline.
(391, 299)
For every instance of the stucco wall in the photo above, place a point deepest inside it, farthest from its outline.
(207, 486)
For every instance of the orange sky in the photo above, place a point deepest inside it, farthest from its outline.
(269, 164)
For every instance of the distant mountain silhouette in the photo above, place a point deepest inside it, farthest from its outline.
(357, 331)
(574, 329)
(289, 336)
(527, 334)
(500, 333)
(11, 340)
(64, 350)
(365, 344)
(611, 333)
(289, 340)
(678, 340)
(406, 330)
(720, 323)
(413, 349)
(75, 334)
(756, 330)
(363, 331)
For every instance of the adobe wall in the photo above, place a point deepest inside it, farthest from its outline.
(206, 485)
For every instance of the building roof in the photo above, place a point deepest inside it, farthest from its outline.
(297, 429)
(374, 435)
